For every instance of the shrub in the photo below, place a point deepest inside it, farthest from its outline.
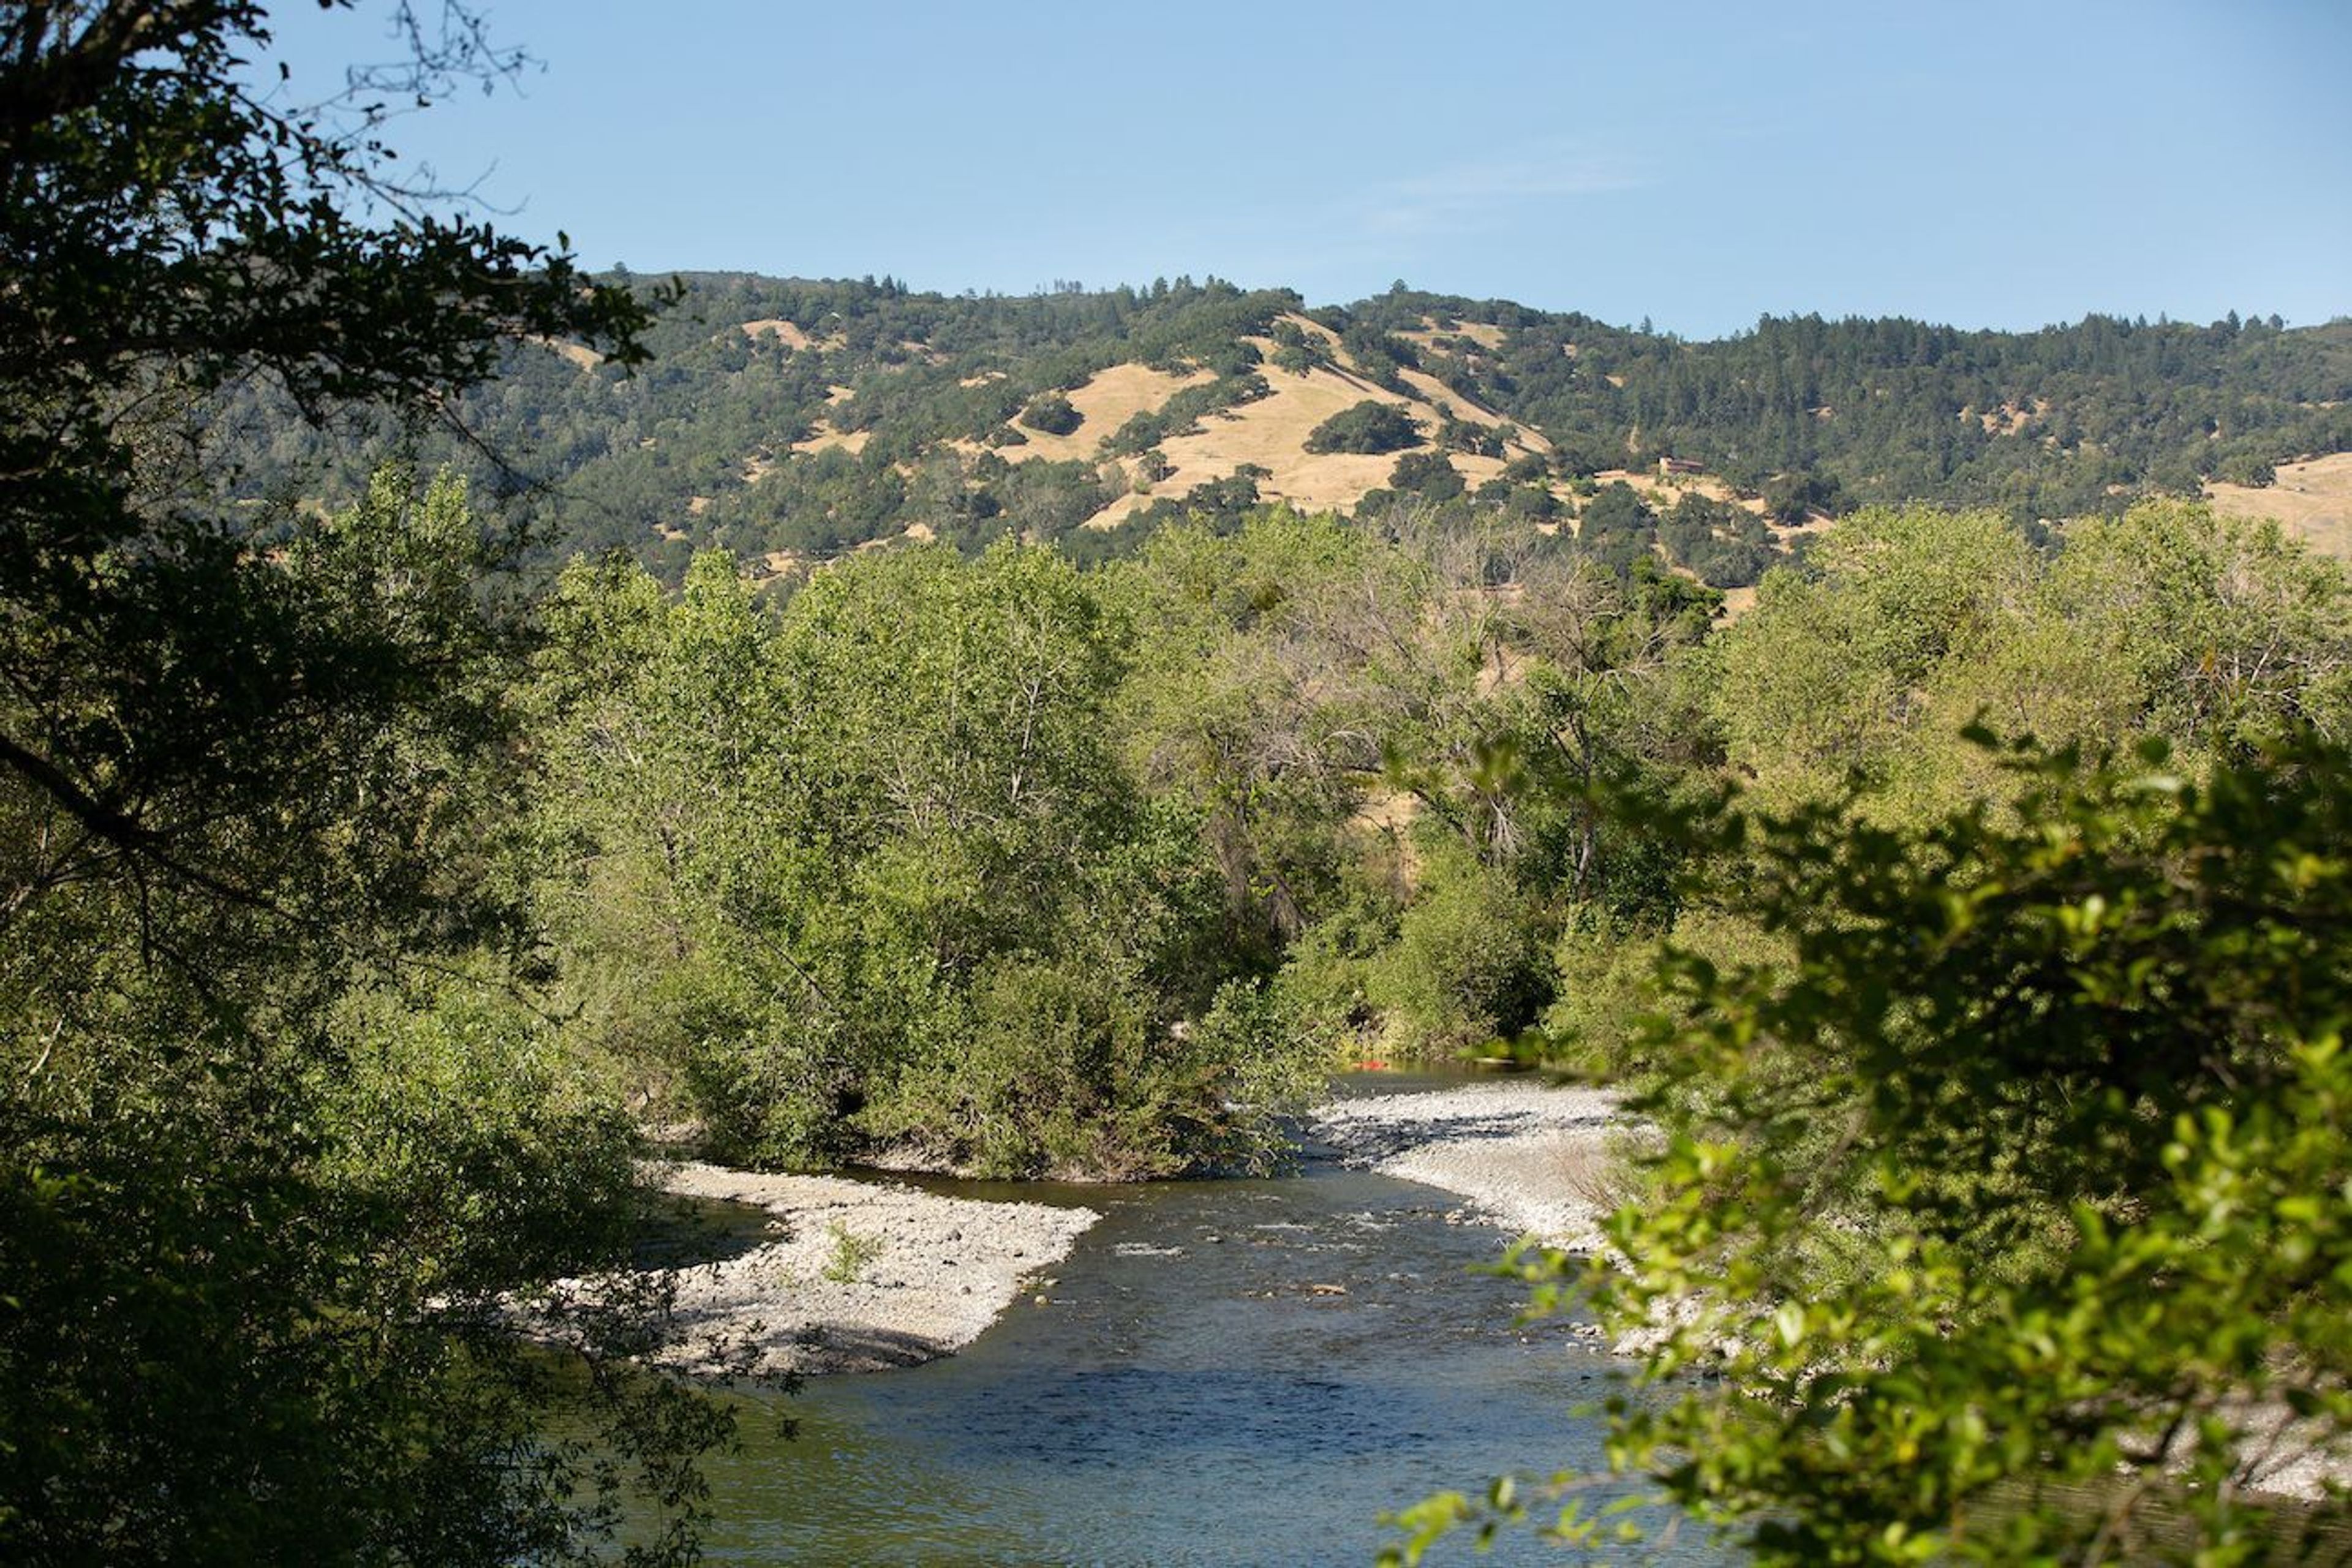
(1426, 474)
(1370, 427)
(1052, 414)
(1064, 1070)
(2023, 1160)
(852, 1252)
(1466, 966)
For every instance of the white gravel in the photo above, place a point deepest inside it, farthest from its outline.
(927, 1273)
(1529, 1156)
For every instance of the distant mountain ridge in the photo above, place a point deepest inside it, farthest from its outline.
(793, 420)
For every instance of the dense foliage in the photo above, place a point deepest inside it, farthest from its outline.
(872, 875)
(993, 864)
(2009, 1208)
(273, 1138)
(2002, 1183)
(2061, 422)
(1368, 427)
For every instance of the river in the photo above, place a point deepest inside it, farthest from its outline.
(1224, 1372)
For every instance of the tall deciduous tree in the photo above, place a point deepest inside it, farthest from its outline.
(875, 873)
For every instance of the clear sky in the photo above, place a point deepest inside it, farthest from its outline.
(1988, 164)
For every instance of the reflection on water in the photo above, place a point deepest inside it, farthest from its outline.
(676, 1229)
(1223, 1372)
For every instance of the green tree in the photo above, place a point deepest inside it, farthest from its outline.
(1428, 475)
(1465, 966)
(876, 875)
(1831, 675)
(1051, 413)
(2007, 1208)
(2218, 636)
(1368, 427)
(250, 767)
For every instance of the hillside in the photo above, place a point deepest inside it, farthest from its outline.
(794, 421)
(2314, 498)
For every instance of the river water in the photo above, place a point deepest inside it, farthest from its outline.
(1224, 1372)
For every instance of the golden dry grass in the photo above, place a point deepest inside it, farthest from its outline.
(1118, 511)
(791, 336)
(1106, 401)
(1387, 810)
(2008, 419)
(579, 354)
(1312, 327)
(1438, 395)
(1271, 432)
(2313, 501)
(1662, 493)
(1484, 334)
(1787, 534)
(826, 439)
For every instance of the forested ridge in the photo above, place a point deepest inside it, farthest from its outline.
(422, 781)
(805, 419)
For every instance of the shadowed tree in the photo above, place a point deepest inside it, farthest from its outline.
(265, 1158)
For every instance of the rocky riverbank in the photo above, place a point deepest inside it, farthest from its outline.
(1534, 1160)
(1531, 1158)
(861, 1275)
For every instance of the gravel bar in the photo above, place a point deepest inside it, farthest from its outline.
(919, 1276)
(1529, 1156)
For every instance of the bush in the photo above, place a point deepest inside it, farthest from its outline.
(1255, 1041)
(1794, 498)
(1724, 545)
(2249, 469)
(1605, 992)
(1066, 1069)
(1369, 428)
(1426, 474)
(1052, 414)
(1533, 501)
(2027, 1154)
(1466, 966)
(1601, 988)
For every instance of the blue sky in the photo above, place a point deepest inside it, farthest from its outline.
(1984, 164)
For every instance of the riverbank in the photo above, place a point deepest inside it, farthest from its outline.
(865, 1275)
(860, 1276)
(1529, 1157)
(1534, 1160)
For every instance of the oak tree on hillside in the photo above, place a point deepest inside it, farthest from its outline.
(1368, 426)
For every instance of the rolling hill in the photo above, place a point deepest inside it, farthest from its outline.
(792, 421)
